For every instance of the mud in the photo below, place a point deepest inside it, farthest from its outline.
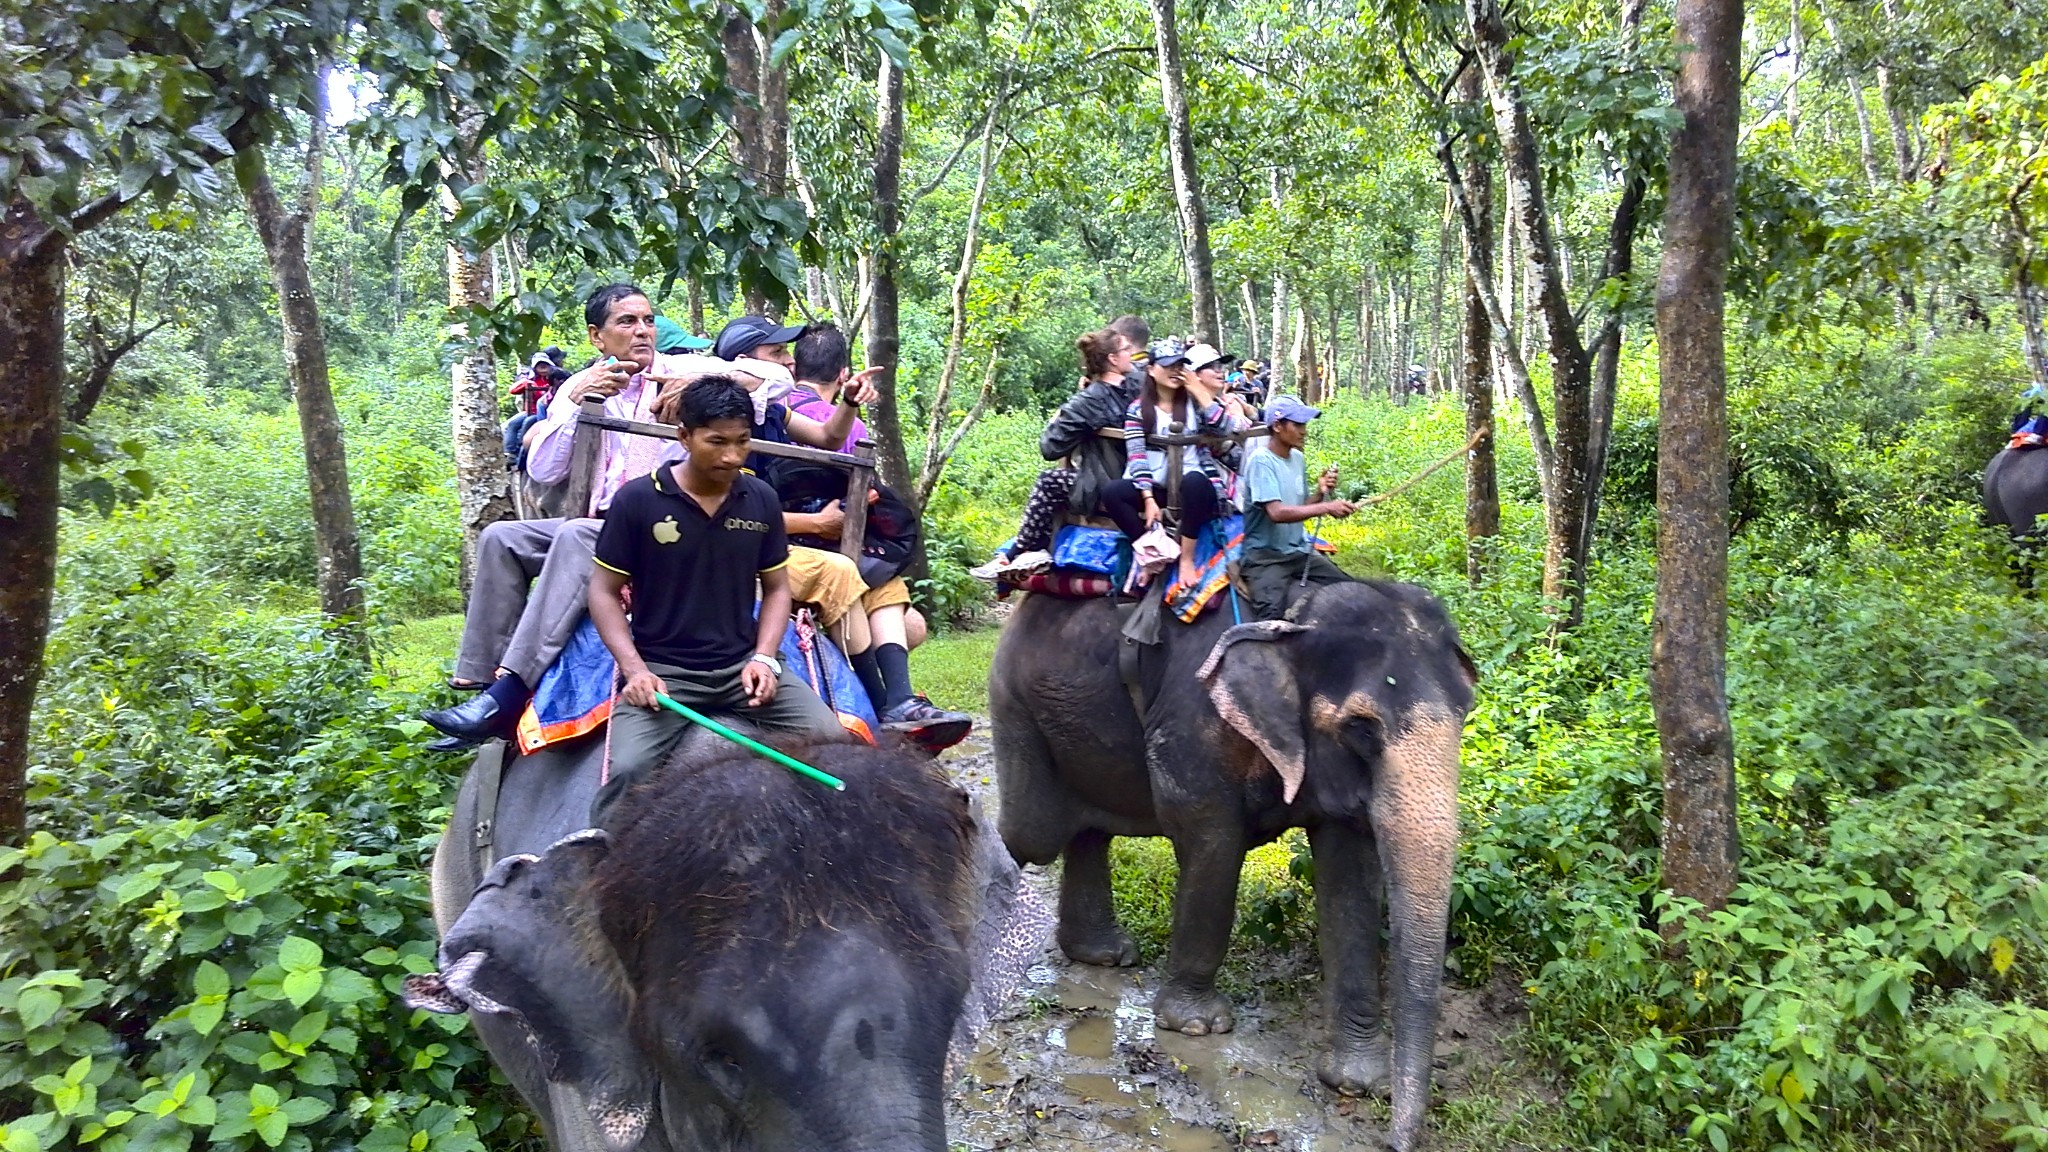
(1076, 1063)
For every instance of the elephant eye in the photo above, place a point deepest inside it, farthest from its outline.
(722, 1070)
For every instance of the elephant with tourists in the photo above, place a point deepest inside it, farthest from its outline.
(1337, 708)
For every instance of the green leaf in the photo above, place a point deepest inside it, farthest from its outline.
(299, 987)
(38, 1006)
(211, 979)
(298, 954)
(306, 1109)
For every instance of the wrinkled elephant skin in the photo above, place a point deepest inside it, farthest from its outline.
(741, 960)
(1343, 720)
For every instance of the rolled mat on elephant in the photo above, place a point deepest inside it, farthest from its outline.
(1344, 720)
(741, 959)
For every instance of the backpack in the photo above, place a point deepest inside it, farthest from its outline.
(893, 531)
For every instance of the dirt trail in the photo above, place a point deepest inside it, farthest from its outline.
(1076, 1063)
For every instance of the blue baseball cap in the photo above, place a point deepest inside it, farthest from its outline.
(1288, 408)
(747, 333)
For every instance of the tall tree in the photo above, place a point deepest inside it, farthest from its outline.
(1688, 658)
(1207, 316)
(285, 233)
(482, 485)
(1482, 486)
(884, 337)
(89, 132)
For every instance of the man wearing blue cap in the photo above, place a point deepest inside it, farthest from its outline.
(1278, 559)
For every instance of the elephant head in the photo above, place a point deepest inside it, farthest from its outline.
(747, 961)
(1358, 704)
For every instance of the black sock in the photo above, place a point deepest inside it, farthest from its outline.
(894, 661)
(509, 691)
(870, 674)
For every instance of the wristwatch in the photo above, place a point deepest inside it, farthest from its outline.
(847, 399)
(773, 664)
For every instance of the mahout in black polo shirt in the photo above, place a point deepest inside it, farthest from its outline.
(693, 573)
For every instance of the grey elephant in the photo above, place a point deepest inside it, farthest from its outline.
(2016, 489)
(741, 959)
(1344, 719)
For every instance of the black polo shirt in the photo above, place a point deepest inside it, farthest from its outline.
(693, 575)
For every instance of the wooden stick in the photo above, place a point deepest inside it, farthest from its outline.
(1484, 431)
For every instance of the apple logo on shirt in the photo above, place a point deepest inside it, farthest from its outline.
(666, 531)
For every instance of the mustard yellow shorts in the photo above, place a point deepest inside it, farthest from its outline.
(828, 580)
(893, 591)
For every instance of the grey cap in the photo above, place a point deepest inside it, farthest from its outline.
(1288, 408)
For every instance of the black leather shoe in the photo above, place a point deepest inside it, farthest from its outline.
(476, 719)
(453, 744)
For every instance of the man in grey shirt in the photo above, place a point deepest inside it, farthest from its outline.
(1278, 557)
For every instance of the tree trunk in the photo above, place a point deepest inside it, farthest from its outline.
(1688, 658)
(1436, 285)
(1187, 179)
(2032, 301)
(936, 449)
(1866, 139)
(482, 485)
(883, 338)
(1482, 484)
(1797, 37)
(1306, 371)
(31, 423)
(1251, 319)
(1565, 513)
(284, 233)
(1895, 115)
(743, 71)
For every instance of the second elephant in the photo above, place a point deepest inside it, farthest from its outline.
(1344, 720)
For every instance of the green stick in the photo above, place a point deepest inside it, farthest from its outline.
(750, 744)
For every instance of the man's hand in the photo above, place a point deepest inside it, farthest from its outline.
(862, 389)
(1338, 508)
(828, 521)
(600, 379)
(1328, 483)
(641, 688)
(759, 681)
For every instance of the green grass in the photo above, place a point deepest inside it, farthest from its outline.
(952, 668)
(417, 655)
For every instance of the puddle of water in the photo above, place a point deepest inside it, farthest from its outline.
(1244, 1082)
(1092, 1039)
(1091, 989)
(1095, 1086)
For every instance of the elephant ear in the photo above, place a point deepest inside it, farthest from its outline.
(1011, 924)
(1253, 686)
(526, 952)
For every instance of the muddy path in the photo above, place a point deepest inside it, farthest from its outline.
(1076, 1063)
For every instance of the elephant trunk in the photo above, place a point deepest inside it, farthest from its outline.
(1415, 818)
(888, 1114)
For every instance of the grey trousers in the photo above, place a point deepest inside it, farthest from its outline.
(1275, 578)
(508, 626)
(642, 738)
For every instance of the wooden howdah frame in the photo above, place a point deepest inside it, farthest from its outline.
(592, 423)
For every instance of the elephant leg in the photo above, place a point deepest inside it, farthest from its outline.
(1088, 932)
(1350, 907)
(1204, 910)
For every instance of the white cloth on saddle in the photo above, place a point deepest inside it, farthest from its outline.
(1150, 553)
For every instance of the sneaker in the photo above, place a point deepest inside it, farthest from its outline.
(996, 566)
(931, 727)
(1036, 560)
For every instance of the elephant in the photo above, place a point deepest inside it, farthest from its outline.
(1344, 719)
(2016, 489)
(739, 958)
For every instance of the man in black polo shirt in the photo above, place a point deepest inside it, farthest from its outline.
(692, 539)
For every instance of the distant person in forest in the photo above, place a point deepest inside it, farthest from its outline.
(1278, 556)
(1086, 437)
(693, 540)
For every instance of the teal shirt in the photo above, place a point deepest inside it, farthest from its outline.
(1269, 477)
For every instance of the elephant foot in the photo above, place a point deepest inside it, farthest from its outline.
(1358, 1067)
(1192, 1013)
(1111, 948)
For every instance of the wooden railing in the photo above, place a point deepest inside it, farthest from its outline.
(586, 449)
